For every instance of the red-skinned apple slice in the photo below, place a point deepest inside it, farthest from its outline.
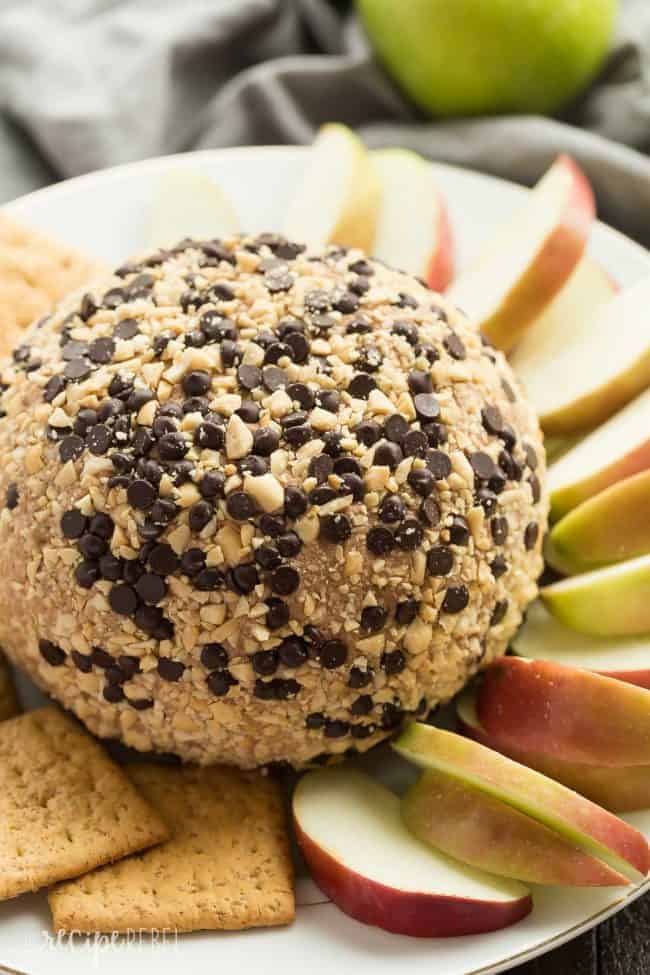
(362, 856)
(543, 637)
(572, 329)
(565, 712)
(413, 230)
(338, 198)
(589, 828)
(616, 450)
(525, 265)
(620, 790)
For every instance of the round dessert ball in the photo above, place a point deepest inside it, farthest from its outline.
(261, 505)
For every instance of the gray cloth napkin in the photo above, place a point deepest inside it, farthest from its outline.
(90, 83)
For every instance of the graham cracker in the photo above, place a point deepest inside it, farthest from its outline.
(65, 808)
(35, 272)
(227, 865)
(8, 700)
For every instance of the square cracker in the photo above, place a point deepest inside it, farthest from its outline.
(227, 865)
(65, 808)
(35, 272)
(8, 700)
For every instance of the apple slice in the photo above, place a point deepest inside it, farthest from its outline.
(338, 199)
(617, 449)
(565, 712)
(612, 346)
(413, 231)
(587, 827)
(620, 790)
(543, 637)
(362, 856)
(557, 447)
(606, 602)
(187, 203)
(524, 266)
(610, 527)
(475, 827)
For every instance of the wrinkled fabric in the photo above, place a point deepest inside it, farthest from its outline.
(86, 84)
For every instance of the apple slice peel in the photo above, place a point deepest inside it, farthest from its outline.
(350, 831)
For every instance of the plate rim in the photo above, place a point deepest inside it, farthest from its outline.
(18, 205)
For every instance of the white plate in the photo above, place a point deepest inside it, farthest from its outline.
(106, 214)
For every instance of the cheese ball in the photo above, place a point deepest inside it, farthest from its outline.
(261, 505)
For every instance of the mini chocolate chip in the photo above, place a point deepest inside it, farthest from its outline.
(214, 656)
(92, 547)
(531, 456)
(102, 525)
(132, 570)
(70, 448)
(110, 567)
(200, 515)
(123, 600)
(497, 483)
(420, 383)
(391, 716)
(380, 540)
(298, 436)
(421, 480)
(454, 346)
(293, 652)
(406, 611)
(209, 436)
(86, 574)
(151, 588)
(273, 378)
(499, 612)
(362, 706)
(510, 466)
(373, 618)
(361, 385)
(82, 661)
(458, 530)
(248, 376)
(148, 618)
(361, 731)
(298, 346)
(100, 658)
(499, 530)
(98, 439)
(456, 599)
(73, 523)
(315, 721)
(53, 388)
(426, 407)
(88, 307)
(492, 419)
(268, 557)
(387, 454)
(436, 434)
(438, 463)
(101, 350)
(289, 544)
(332, 654)
(414, 444)
(335, 728)
(113, 693)
(508, 436)
(240, 506)
(487, 500)
(172, 446)
(321, 467)
(367, 432)
(129, 664)
(359, 678)
(265, 662)
(244, 578)
(77, 369)
(126, 329)
(499, 567)
(482, 465)
(440, 561)
(219, 682)
(335, 528)
(392, 509)
(531, 534)
(163, 559)
(409, 535)
(295, 502)
(212, 484)
(51, 653)
(393, 662)
(429, 512)
(535, 488)
(396, 428)
(171, 670)
(285, 580)
(141, 494)
(208, 580)
(278, 614)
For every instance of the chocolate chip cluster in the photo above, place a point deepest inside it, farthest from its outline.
(261, 504)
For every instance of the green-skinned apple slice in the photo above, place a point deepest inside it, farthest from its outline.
(613, 601)
(620, 790)
(543, 637)
(187, 203)
(616, 450)
(362, 856)
(528, 261)
(413, 229)
(592, 830)
(612, 526)
(564, 712)
(337, 201)
(569, 399)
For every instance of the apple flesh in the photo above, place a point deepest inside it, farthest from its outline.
(187, 203)
(606, 602)
(590, 829)
(527, 263)
(616, 450)
(362, 856)
(413, 229)
(611, 527)
(473, 826)
(565, 712)
(620, 790)
(543, 637)
(338, 199)
(577, 327)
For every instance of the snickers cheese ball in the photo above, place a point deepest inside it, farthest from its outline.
(261, 505)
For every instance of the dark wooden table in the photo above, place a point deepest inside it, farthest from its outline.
(620, 946)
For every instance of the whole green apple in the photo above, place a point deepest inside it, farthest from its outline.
(471, 57)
